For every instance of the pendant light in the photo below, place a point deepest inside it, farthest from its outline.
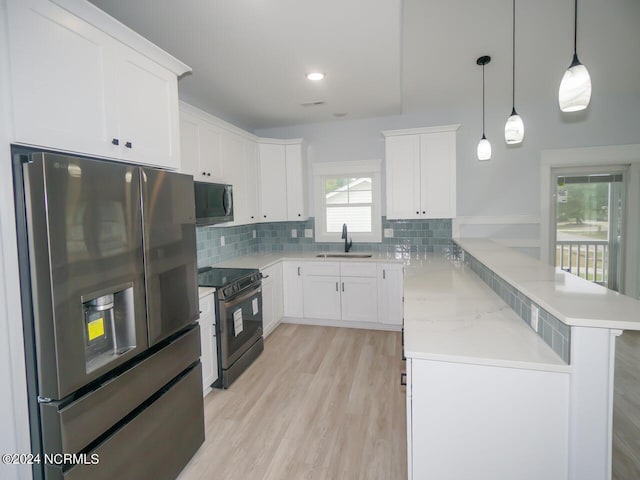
(514, 128)
(484, 147)
(575, 88)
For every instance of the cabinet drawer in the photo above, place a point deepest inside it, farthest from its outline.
(321, 268)
(358, 269)
(206, 305)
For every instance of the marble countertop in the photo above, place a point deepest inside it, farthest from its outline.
(204, 291)
(572, 300)
(264, 260)
(451, 315)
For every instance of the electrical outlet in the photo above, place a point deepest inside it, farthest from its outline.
(254, 234)
(388, 233)
(534, 317)
(294, 233)
(308, 233)
(222, 241)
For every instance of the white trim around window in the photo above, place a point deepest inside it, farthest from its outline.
(359, 168)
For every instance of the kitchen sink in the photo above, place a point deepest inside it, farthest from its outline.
(344, 255)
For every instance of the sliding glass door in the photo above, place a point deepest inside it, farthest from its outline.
(589, 229)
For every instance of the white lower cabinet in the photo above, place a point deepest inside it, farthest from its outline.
(503, 423)
(272, 301)
(208, 345)
(340, 291)
(390, 293)
(292, 289)
(322, 297)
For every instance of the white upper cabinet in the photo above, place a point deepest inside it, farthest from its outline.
(283, 180)
(296, 164)
(201, 146)
(147, 104)
(273, 174)
(81, 84)
(215, 151)
(421, 172)
(251, 169)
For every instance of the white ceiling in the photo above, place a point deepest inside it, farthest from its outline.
(380, 57)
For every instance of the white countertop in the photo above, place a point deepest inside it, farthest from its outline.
(451, 315)
(572, 300)
(264, 260)
(204, 291)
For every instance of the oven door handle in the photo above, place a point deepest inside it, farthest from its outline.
(240, 297)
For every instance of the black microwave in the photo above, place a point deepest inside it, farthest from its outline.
(214, 203)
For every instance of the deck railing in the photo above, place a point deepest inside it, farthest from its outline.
(588, 259)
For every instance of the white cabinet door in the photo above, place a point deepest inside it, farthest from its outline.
(296, 182)
(75, 88)
(438, 175)
(190, 146)
(321, 297)
(210, 154)
(268, 301)
(501, 421)
(233, 169)
(390, 294)
(292, 289)
(61, 97)
(403, 176)
(147, 103)
(356, 299)
(208, 349)
(251, 179)
(273, 191)
(272, 304)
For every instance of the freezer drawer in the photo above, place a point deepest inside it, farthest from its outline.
(156, 444)
(71, 428)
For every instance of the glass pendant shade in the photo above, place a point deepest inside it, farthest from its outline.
(484, 149)
(575, 88)
(514, 129)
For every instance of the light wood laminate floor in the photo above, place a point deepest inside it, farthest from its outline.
(319, 403)
(626, 408)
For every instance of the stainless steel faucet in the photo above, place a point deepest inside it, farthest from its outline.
(349, 243)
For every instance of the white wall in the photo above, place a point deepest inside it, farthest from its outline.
(508, 184)
(14, 434)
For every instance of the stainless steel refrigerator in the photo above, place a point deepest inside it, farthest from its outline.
(109, 295)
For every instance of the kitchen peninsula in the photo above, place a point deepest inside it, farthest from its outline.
(517, 396)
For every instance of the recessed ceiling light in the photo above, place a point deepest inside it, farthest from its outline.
(315, 76)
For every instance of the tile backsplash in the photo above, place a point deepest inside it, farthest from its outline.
(409, 236)
(552, 331)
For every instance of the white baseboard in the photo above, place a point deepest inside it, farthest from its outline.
(323, 322)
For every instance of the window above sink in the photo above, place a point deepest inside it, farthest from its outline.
(348, 193)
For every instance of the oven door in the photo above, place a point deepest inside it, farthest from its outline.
(239, 323)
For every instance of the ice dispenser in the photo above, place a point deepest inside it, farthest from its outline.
(109, 326)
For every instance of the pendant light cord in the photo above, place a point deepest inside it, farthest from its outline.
(483, 136)
(513, 84)
(575, 29)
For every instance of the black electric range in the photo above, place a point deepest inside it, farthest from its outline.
(228, 281)
(238, 318)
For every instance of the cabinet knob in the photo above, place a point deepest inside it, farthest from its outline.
(418, 213)
(251, 217)
(403, 379)
(208, 174)
(115, 141)
(128, 144)
(204, 174)
(299, 215)
(423, 212)
(264, 216)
